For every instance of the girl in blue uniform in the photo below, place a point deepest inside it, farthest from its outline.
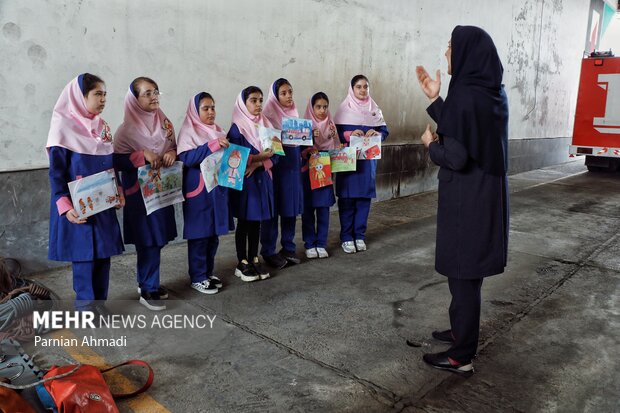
(255, 202)
(205, 214)
(358, 115)
(79, 144)
(315, 219)
(146, 135)
(287, 185)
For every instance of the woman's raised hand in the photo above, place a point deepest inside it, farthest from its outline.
(224, 142)
(429, 86)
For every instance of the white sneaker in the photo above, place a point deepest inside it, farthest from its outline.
(312, 253)
(360, 245)
(205, 287)
(349, 247)
(322, 252)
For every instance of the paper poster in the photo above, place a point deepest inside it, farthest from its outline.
(343, 159)
(232, 168)
(270, 138)
(296, 132)
(367, 147)
(320, 170)
(161, 187)
(210, 168)
(94, 193)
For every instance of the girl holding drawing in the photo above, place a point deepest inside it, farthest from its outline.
(287, 185)
(358, 115)
(255, 202)
(205, 210)
(146, 135)
(79, 144)
(315, 219)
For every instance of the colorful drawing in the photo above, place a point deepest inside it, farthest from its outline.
(270, 138)
(343, 159)
(210, 168)
(296, 132)
(232, 168)
(92, 194)
(368, 147)
(161, 187)
(320, 170)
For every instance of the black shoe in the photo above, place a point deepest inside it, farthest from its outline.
(101, 310)
(163, 292)
(216, 281)
(443, 336)
(289, 256)
(152, 301)
(276, 261)
(260, 270)
(443, 362)
(246, 272)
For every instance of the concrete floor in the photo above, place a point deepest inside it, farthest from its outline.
(329, 335)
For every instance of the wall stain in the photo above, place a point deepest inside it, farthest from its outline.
(12, 31)
(37, 55)
(30, 89)
(291, 61)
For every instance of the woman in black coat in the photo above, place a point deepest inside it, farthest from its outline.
(472, 216)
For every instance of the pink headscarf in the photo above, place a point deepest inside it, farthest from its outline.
(353, 111)
(328, 136)
(274, 111)
(194, 132)
(143, 130)
(247, 123)
(73, 127)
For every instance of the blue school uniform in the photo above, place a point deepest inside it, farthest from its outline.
(256, 201)
(149, 233)
(356, 189)
(315, 218)
(205, 215)
(288, 193)
(89, 246)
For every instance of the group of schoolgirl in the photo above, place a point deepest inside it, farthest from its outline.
(275, 187)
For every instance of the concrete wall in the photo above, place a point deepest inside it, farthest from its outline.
(223, 46)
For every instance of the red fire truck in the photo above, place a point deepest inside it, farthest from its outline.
(596, 133)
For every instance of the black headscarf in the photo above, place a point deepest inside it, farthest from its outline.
(476, 109)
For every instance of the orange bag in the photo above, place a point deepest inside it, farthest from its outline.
(11, 402)
(86, 391)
